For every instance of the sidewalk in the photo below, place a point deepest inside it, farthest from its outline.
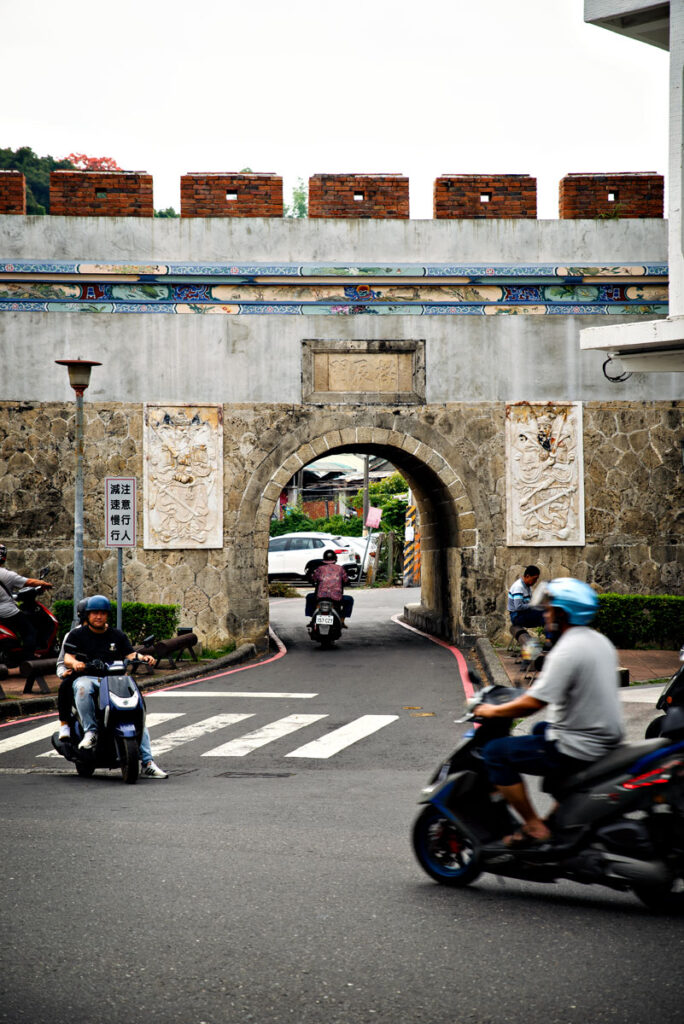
(18, 704)
(638, 699)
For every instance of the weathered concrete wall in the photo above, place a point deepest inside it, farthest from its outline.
(452, 454)
(451, 448)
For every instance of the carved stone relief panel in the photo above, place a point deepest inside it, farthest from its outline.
(183, 476)
(371, 372)
(544, 474)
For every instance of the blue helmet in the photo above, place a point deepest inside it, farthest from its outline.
(577, 599)
(98, 603)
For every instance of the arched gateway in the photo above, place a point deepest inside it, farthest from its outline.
(234, 352)
(449, 532)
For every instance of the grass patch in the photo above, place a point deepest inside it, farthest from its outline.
(278, 588)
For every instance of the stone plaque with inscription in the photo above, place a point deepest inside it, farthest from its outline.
(544, 474)
(371, 372)
(183, 476)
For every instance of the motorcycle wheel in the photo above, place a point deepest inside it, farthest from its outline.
(85, 770)
(443, 850)
(130, 759)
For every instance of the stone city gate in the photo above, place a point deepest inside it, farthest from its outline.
(234, 351)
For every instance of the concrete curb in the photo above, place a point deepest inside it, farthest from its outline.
(494, 670)
(41, 705)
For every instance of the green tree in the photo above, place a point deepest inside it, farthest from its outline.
(389, 494)
(168, 212)
(299, 208)
(36, 170)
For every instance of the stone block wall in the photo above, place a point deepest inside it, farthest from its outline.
(231, 195)
(101, 194)
(611, 195)
(359, 195)
(12, 192)
(485, 195)
(633, 485)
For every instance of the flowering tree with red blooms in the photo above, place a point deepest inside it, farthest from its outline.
(93, 163)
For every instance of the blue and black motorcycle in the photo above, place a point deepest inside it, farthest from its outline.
(120, 712)
(619, 822)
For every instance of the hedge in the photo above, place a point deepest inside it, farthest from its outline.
(636, 620)
(138, 620)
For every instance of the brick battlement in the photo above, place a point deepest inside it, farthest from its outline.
(12, 192)
(383, 196)
(101, 194)
(620, 195)
(231, 195)
(484, 195)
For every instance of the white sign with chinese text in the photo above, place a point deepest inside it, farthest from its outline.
(120, 513)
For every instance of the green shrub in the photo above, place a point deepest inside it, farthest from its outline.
(138, 620)
(637, 620)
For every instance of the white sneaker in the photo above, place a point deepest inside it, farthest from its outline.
(64, 732)
(153, 771)
(88, 741)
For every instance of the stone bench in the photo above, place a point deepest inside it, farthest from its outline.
(171, 650)
(35, 671)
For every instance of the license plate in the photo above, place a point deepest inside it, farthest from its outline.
(325, 620)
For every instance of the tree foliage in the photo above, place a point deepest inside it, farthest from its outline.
(390, 495)
(36, 170)
(93, 163)
(299, 207)
(168, 212)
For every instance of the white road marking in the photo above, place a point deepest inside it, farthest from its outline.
(150, 721)
(260, 737)
(229, 693)
(23, 739)
(344, 736)
(195, 732)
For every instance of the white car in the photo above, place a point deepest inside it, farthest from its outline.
(361, 547)
(298, 554)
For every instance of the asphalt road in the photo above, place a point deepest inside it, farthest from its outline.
(271, 879)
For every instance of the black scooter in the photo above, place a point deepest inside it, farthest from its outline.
(45, 623)
(671, 703)
(120, 712)
(325, 623)
(619, 822)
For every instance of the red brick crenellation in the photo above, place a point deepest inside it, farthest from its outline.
(231, 195)
(620, 195)
(101, 194)
(12, 192)
(382, 196)
(484, 195)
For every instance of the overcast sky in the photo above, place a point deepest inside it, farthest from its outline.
(420, 87)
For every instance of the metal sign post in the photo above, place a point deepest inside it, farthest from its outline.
(120, 519)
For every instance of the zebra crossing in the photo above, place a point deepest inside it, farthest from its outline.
(320, 747)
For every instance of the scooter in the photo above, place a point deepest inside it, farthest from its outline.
(671, 703)
(325, 624)
(120, 712)
(12, 652)
(619, 822)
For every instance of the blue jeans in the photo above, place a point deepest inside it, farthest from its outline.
(509, 758)
(527, 617)
(85, 688)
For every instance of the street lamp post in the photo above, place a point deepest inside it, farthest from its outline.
(79, 379)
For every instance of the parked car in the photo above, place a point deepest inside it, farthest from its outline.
(361, 547)
(299, 554)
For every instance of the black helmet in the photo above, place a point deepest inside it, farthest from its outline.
(329, 556)
(3, 554)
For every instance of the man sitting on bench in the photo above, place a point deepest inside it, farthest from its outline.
(519, 602)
